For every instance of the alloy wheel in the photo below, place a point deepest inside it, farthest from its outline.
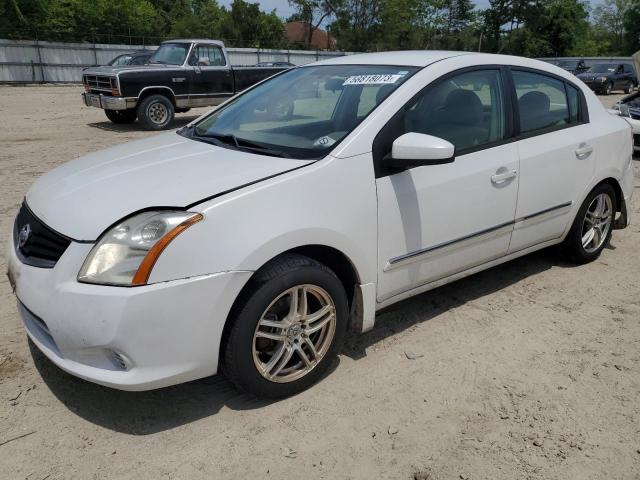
(294, 333)
(597, 223)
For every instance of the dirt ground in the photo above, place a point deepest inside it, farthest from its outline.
(530, 370)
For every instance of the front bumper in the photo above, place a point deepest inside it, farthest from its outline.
(136, 338)
(108, 103)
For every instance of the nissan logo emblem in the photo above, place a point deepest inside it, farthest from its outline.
(23, 236)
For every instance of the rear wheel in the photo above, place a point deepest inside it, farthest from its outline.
(592, 227)
(121, 116)
(286, 329)
(155, 112)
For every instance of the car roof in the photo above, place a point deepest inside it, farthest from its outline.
(196, 40)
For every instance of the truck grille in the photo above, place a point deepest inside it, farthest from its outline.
(37, 244)
(101, 83)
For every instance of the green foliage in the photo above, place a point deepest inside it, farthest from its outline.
(531, 28)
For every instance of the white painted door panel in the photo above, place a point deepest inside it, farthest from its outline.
(436, 220)
(554, 170)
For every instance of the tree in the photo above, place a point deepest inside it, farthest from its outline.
(313, 13)
(632, 28)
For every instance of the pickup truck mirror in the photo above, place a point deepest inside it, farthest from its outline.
(418, 149)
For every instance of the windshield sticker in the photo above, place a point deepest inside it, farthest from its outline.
(371, 79)
(324, 142)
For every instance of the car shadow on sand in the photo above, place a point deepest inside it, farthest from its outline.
(180, 121)
(144, 413)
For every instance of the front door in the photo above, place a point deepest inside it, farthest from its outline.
(211, 76)
(435, 221)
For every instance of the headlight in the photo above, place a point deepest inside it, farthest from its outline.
(601, 79)
(126, 254)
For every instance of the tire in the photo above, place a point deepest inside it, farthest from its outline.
(628, 88)
(268, 298)
(608, 88)
(155, 112)
(121, 116)
(574, 247)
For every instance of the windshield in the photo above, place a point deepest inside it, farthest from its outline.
(303, 112)
(171, 53)
(603, 68)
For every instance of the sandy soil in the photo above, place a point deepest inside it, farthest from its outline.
(527, 371)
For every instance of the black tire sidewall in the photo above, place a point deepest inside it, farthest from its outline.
(143, 112)
(239, 348)
(573, 242)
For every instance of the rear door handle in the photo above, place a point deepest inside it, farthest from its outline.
(500, 178)
(583, 151)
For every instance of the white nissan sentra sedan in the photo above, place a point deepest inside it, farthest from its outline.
(249, 241)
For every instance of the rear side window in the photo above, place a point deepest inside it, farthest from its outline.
(207, 56)
(542, 101)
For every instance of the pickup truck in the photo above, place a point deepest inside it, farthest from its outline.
(181, 74)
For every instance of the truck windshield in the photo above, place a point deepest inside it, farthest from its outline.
(170, 53)
(301, 113)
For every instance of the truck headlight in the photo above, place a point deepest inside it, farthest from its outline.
(126, 254)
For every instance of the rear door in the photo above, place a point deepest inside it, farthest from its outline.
(557, 156)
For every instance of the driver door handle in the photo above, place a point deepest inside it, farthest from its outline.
(500, 178)
(583, 151)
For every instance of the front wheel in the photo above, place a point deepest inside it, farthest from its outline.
(286, 329)
(155, 112)
(608, 88)
(121, 116)
(592, 227)
(629, 87)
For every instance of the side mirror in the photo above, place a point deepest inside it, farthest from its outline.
(417, 149)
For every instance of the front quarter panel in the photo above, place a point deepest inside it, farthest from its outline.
(331, 202)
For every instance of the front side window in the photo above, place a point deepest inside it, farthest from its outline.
(602, 68)
(542, 101)
(466, 110)
(301, 113)
(207, 56)
(171, 54)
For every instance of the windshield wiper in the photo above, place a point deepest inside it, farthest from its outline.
(239, 143)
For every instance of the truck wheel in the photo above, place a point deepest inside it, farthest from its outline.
(628, 87)
(286, 328)
(155, 112)
(121, 116)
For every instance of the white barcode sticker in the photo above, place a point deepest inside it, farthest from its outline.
(372, 79)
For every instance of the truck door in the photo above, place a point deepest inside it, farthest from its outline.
(210, 75)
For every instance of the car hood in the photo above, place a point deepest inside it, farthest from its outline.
(82, 198)
(591, 76)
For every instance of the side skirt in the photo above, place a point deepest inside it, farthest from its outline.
(464, 273)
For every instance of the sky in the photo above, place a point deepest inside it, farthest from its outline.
(284, 10)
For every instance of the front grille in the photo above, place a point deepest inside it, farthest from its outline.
(37, 244)
(102, 83)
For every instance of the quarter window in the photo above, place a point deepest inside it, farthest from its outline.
(466, 109)
(542, 102)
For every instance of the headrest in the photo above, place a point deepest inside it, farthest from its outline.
(534, 103)
(463, 107)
